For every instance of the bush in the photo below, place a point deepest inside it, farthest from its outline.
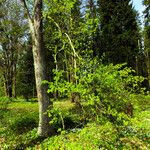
(62, 120)
(91, 137)
(4, 103)
(105, 89)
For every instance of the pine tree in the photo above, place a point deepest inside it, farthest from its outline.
(147, 36)
(91, 20)
(119, 31)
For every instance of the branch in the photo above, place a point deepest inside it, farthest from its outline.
(55, 23)
(29, 19)
(71, 44)
(27, 10)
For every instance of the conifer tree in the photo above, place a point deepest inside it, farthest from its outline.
(91, 20)
(119, 31)
(147, 36)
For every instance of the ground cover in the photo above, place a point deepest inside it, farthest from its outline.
(19, 122)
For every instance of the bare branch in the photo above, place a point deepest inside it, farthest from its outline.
(29, 18)
(26, 9)
(71, 44)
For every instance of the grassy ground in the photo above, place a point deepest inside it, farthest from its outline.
(19, 120)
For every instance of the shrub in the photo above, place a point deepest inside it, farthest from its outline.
(62, 120)
(106, 89)
(4, 103)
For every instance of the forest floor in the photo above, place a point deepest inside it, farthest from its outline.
(19, 121)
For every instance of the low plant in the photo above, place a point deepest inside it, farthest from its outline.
(18, 121)
(4, 101)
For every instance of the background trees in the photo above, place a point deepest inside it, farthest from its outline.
(119, 31)
(25, 82)
(106, 29)
(147, 36)
(12, 29)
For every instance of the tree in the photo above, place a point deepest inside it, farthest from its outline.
(147, 36)
(62, 22)
(92, 18)
(119, 31)
(25, 84)
(12, 31)
(36, 30)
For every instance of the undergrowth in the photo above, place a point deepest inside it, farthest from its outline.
(110, 112)
(17, 132)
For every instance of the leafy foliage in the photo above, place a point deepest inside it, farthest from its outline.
(95, 136)
(104, 90)
(4, 103)
(98, 134)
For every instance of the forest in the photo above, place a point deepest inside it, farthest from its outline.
(74, 75)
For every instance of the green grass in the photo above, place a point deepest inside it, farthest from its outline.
(95, 136)
(16, 121)
(18, 129)
(26, 106)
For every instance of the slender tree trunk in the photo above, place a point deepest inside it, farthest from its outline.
(15, 79)
(10, 88)
(5, 84)
(8, 83)
(148, 66)
(44, 128)
(137, 66)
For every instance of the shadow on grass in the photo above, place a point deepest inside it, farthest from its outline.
(69, 122)
(31, 143)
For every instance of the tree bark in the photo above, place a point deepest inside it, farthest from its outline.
(15, 80)
(35, 24)
(148, 67)
(8, 79)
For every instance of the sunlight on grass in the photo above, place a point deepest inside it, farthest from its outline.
(24, 105)
(18, 129)
(64, 105)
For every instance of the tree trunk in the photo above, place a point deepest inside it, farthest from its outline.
(8, 83)
(40, 72)
(44, 128)
(148, 67)
(15, 80)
